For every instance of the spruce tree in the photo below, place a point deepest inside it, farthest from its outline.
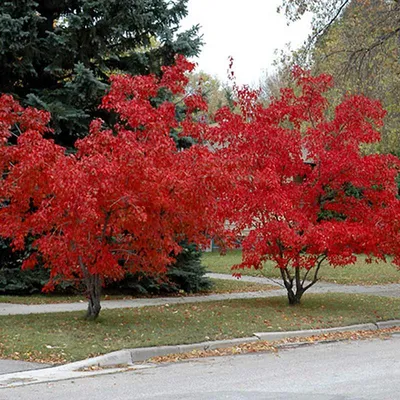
(58, 55)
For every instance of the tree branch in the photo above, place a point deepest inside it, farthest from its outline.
(329, 23)
(315, 279)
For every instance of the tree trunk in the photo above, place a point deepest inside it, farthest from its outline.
(294, 298)
(293, 285)
(93, 293)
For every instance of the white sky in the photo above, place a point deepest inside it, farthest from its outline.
(248, 30)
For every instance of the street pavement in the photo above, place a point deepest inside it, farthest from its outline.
(359, 370)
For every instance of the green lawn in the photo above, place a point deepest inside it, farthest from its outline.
(219, 286)
(67, 337)
(359, 273)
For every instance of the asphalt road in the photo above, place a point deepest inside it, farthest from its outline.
(359, 370)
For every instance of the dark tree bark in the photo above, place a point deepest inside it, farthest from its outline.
(294, 297)
(296, 285)
(93, 293)
(93, 284)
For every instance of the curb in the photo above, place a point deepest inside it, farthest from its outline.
(127, 359)
(145, 353)
(271, 336)
(388, 324)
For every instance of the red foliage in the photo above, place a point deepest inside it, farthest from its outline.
(300, 183)
(126, 197)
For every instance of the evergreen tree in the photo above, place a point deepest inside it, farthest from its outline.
(57, 55)
(185, 275)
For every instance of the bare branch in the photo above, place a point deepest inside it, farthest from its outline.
(315, 279)
(322, 30)
(275, 281)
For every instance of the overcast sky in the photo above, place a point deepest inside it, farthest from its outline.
(248, 30)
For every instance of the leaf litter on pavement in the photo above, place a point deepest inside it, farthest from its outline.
(274, 346)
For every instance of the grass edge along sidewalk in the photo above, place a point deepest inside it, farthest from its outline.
(360, 273)
(66, 337)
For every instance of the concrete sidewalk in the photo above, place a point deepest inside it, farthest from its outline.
(16, 309)
(11, 366)
(391, 290)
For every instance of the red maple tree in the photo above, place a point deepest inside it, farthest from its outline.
(301, 185)
(127, 197)
(123, 201)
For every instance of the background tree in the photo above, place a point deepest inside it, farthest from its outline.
(212, 89)
(58, 55)
(357, 42)
(327, 12)
(270, 84)
(374, 73)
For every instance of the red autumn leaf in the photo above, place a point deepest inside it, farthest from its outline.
(301, 189)
(123, 202)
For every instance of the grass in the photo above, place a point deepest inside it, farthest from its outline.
(41, 299)
(66, 337)
(230, 286)
(359, 273)
(219, 286)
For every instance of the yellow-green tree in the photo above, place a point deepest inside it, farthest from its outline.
(358, 42)
(360, 52)
(216, 92)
